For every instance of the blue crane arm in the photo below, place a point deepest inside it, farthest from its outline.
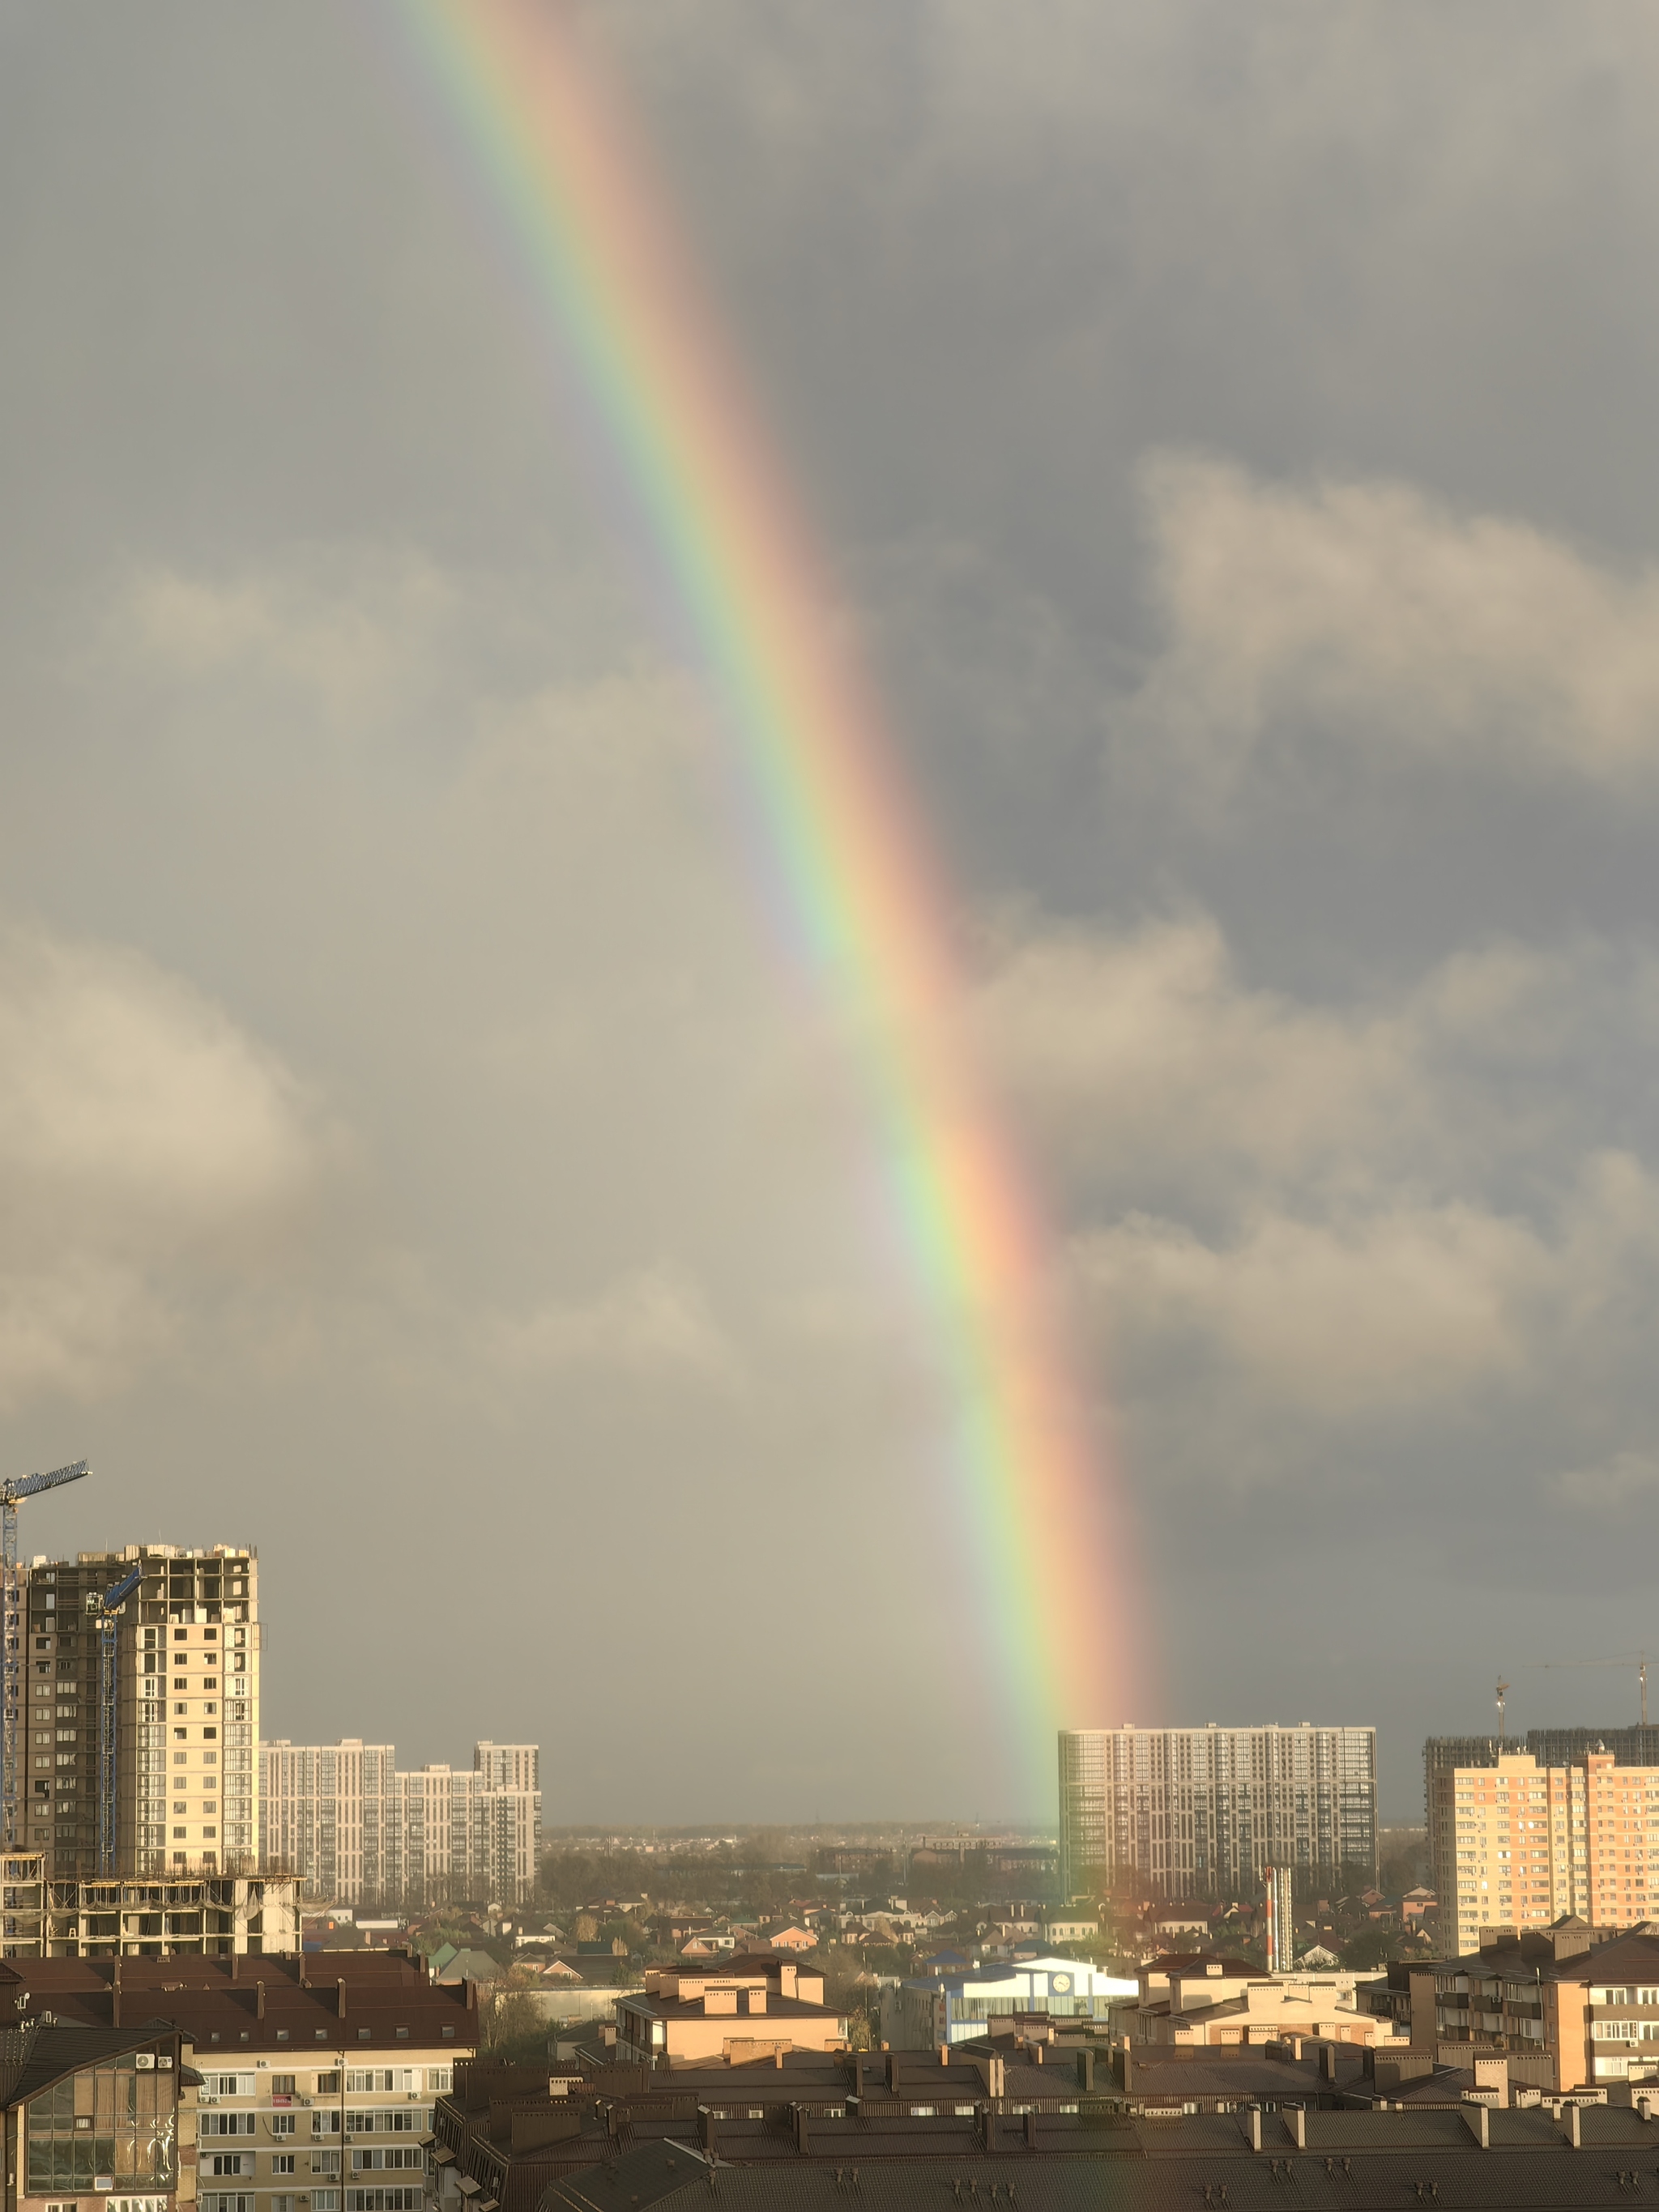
(31, 1486)
(113, 1600)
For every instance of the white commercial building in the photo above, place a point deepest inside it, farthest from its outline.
(942, 2009)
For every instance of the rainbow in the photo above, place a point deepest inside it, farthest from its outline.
(616, 292)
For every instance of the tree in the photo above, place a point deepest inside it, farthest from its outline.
(1371, 1947)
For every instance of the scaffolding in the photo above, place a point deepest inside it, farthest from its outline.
(11, 1611)
(104, 1612)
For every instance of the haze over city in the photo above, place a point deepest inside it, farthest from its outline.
(1225, 435)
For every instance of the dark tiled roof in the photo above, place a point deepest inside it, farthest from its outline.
(34, 2056)
(1380, 2182)
(221, 2012)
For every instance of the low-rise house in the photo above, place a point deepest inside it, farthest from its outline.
(753, 2005)
(784, 1935)
(1070, 1928)
(452, 1966)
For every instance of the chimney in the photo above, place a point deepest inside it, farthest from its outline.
(1327, 2062)
(801, 2130)
(1574, 2127)
(1480, 2120)
(892, 2073)
(1086, 2069)
(235, 1966)
(945, 2054)
(340, 1986)
(1253, 2125)
(1297, 2117)
(471, 1995)
(259, 1999)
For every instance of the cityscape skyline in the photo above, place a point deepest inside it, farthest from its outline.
(474, 1104)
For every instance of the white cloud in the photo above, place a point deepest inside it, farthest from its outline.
(1369, 611)
(146, 1143)
(1335, 1318)
(1613, 1485)
(1146, 1054)
(654, 1326)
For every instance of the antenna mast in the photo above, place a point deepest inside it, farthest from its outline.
(1503, 1692)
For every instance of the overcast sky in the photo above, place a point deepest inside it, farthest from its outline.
(1230, 431)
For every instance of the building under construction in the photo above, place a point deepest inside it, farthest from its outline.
(135, 1750)
(225, 1917)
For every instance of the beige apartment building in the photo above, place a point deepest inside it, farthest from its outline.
(184, 1709)
(1519, 1845)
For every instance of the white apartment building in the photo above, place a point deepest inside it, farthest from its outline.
(1193, 1810)
(357, 1829)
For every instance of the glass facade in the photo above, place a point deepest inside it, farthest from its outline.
(112, 2125)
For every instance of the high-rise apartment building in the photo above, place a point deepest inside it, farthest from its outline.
(1195, 1811)
(334, 1812)
(1514, 1843)
(357, 1829)
(184, 1710)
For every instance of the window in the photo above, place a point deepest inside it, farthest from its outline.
(282, 2124)
(230, 2085)
(283, 2085)
(324, 2200)
(282, 2162)
(128, 2120)
(328, 2084)
(383, 2200)
(232, 2161)
(440, 2080)
(227, 2123)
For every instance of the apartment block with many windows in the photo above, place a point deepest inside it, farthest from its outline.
(1189, 1812)
(186, 1704)
(1518, 1844)
(316, 2096)
(357, 1829)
